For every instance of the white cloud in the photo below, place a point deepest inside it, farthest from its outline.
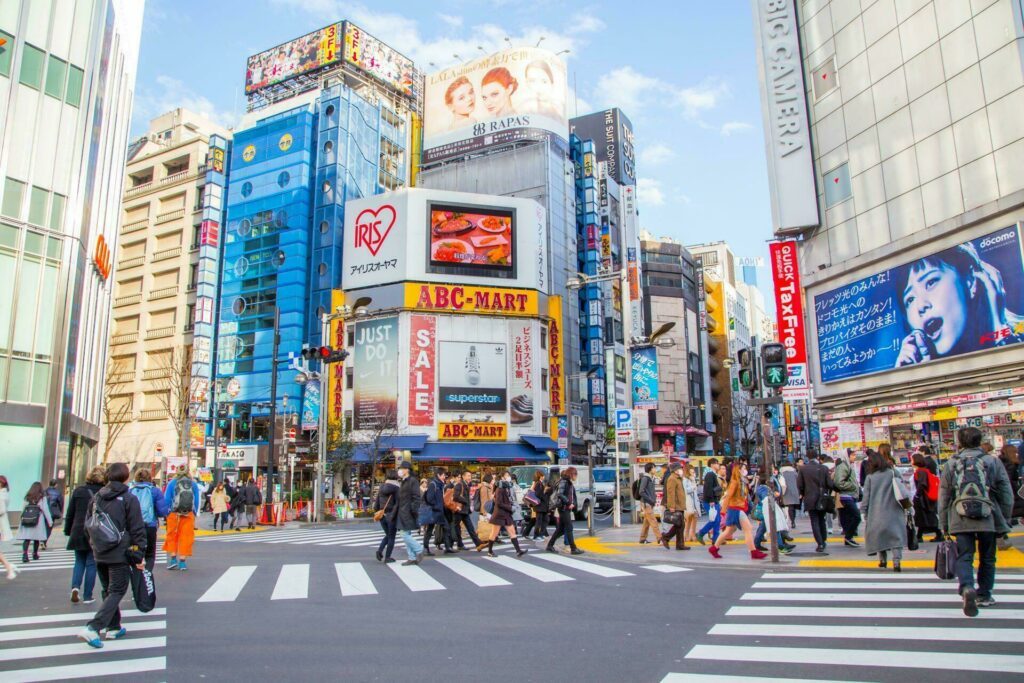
(170, 93)
(701, 98)
(450, 19)
(585, 23)
(731, 127)
(656, 154)
(649, 192)
(628, 89)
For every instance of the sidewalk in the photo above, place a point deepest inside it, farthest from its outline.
(623, 543)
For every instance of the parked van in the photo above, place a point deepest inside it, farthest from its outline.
(584, 489)
(604, 488)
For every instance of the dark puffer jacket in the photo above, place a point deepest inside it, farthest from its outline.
(123, 509)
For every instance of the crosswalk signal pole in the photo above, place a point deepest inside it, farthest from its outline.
(769, 465)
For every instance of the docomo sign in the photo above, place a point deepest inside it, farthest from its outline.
(101, 258)
(467, 299)
(789, 308)
(472, 431)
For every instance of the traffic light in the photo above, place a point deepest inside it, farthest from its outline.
(748, 377)
(324, 354)
(773, 363)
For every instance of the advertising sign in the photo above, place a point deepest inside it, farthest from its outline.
(375, 382)
(789, 314)
(476, 300)
(556, 356)
(516, 94)
(965, 299)
(422, 366)
(645, 378)
(379, 60)
(302, 55)
(197, 434)
(473, 377)
(521, 387)
(612, 134)
(234, 457)
(311, 406)
(336, 371)
(472, 431)
(474, 239)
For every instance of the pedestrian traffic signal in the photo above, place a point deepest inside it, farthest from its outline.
(773, 363)
(324, 354)
(748, 376)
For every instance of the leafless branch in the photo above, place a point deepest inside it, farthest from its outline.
(117, 404)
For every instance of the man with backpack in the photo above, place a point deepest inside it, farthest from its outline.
(153, 507)
(712, 494)
(55, 501)
(644, 492)
(117, 535)
(182, 498)
(253, 499)
(975, 504)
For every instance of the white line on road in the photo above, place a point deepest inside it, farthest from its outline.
(90, 670)
(79, 648)
(666, 569)
(980, 635)
(846, 585)
(472, 572)
(589, 567)
(292, 583)
(70, 631)
(871, 613)
(353, 579)
(870, 597)
(229, 585)
(415, 578)
(877, 576)
(533, 571)
(712, 678)
(75, 616)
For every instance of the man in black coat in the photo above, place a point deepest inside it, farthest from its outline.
(463, 516)
(112, 563)
(435, 499)
(814, 485)
(408, 508)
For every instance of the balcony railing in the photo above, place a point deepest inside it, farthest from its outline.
(156, 373)
(157, 414)
(125, 338)
(138, 189)
(189, 327)
(134, 226)
(131, 262)
(160, 332)
(169, 216)
(122, 377)
(127, 300)
(175, 177)
(167, 253)
(163, 292)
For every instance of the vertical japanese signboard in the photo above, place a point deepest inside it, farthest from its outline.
(422, 366)
(556, 357)
(521, 384)
(789, 312)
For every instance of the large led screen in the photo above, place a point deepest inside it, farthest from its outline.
(296, 57)
(471, 240)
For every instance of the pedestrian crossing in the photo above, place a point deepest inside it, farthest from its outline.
(45, 647)
(788, 625)
(52, 559)
(354, 579)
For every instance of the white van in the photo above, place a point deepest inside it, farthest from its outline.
(584, 489)
(604, 488)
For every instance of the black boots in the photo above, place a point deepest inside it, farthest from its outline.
(519, 551)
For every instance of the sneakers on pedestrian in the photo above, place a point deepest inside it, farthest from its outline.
(380, 556)
(820, 549)
(409, 563)
(74, 595)
(714, 552)
(970, 597)
(700, 539)
(172, 563)
(851, 543)
(181, 565)
(575, 551)
(520, 553)
(761, 548)
(552, 550)
(91, 638)
(786, 549)
(388, 560)
(89, 600)
(118, 634)
(757, 554)
(986, 602)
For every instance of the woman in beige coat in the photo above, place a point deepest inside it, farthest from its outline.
(675, 507)
(219, 503)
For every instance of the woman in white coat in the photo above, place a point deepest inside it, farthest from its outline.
(5, 525)
(35, 531)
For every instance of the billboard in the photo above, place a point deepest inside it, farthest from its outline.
(422, 366)
(375, 383)
(521, 386)
(473, 377)
(516, 94)
(556, 357)
(379, 60)
(311, 406)
(789, 315)
(466, 239)
(645, 378)
(960, 300)
(612, 134)
(296, 57)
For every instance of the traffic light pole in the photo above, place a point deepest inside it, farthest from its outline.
(272, 437)
(769, 466)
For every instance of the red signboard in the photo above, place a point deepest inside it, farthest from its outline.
(422, 365)
(209, 233)
(101, 258)
(789, 310)
(337, 376)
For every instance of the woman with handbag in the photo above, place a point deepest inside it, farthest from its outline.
(386, 513)
(564, 501)
(884, 507)
(736, 501)
(35, 520)
(692, 513)
(220, 501)
(539, 511)
(501, 517)
(675, 507)
(926, 510)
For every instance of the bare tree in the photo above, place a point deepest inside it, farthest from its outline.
(382, 431)
(746, 418)
(117, 404)
(175, 384)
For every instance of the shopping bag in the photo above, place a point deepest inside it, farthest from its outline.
(483, 529)
(945, 560)
(143, 589)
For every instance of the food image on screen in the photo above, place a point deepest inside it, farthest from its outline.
(471, 236)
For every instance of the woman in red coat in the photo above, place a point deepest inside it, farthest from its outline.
(501, 516)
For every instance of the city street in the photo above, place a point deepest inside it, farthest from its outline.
(314, 604)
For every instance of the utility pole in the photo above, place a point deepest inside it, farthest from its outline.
(769, 466)
(272, 437)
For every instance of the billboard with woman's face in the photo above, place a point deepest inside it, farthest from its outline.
(960, 300)
(517, 94)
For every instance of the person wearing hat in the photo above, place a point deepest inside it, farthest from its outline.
(675, 503)
(408, 508)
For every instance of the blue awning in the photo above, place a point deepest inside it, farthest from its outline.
(403, 442)
(541, 443)
(479, 452)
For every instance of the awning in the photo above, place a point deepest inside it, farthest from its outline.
(479, 452)
(540, 443)
(404, 442)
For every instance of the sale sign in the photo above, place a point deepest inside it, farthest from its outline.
(422, 365)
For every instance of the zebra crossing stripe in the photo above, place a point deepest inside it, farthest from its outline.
(907, 659)
(86, 670)
(76, 616)
(533, 571)
(229, 585)
(665, 569)
(981, 635)
(872, 613)
(353, 579)
(599, 570)
(71, 631)
(950, 597)
(292, 583)
(845, 585)
(64, 650)
(472, 572)
(714, 678)
(876, 576)
(415, 578)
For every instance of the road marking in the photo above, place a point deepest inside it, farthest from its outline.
(472, 572)
(79, 648)
(71, 631)
(531, 570)
(875, 576)
(981, 635)
(907, 659)
(665, 569)
(75, 616)
(870, 597)
(415, 578)
(872, 613)
(712, 678)
(229, 585)
(589, 567)
(353, 579)
(846, 585)
(292, 583)
(89, 670)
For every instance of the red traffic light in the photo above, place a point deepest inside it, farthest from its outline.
(324, 352)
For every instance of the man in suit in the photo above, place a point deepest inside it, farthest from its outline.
(814, 485)
(408, 510)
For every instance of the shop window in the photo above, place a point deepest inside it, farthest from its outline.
(73, 94)
(32, 60)
(14, 192)
(6, 52)
(56, 73)
(348, 377)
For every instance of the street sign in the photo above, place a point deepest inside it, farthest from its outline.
(623, 419)
(223, 449)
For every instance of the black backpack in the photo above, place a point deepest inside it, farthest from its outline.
(636, 487)
(970, 498)
(104, 534)
(30, 515)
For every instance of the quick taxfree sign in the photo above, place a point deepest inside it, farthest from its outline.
(472, 431)
(789, 308)
(467, 299)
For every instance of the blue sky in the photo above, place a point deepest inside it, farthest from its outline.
(684, 71)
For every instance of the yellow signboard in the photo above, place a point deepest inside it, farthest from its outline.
(469, 299)
(556, 357)
(336, 371)
(472, 431)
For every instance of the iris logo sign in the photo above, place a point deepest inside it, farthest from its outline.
(373, 227)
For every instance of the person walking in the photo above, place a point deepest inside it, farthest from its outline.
(844, 481)
(5, 525)
(563, 501)
(518, 518)
(55, 499)
(675, 508)
(539, 514)
(462, 494)
(83, 575)
(648, 499)
(387, 502)
(1010, 460)
(434, 499)
(692, 513)
(237, 506)
(790, 491)
(762, 495)
(220, 501)
(815, 491)
(885, 530)
(408, 509)
(153, 507)
(252, 499)
(975, 505)
(182, 498)
(112, 562)
(502, 517)
(926, 498)
(736, 501)
(712, 498)
(35, 521)
(365, 489)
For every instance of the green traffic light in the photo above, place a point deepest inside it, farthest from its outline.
(775, 376)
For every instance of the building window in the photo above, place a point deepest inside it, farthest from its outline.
(324, 227)
(32, 59)
(544, 379)
(283, 178)
(6, 52)
(837, 186)
(73, 94)
(14, 192)
(543, 337)
(38, 200)
(328, 146)
(825, 79)
(246, 189)
(57, 202)
(348, 377)
(56, 72)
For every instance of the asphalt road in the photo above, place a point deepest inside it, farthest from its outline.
(314, 605)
